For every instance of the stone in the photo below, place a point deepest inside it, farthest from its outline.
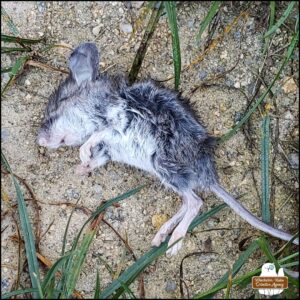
(289, 85)
(126, 27)
(223, 55)
(96, 30)
(170, 286)
(294, 160)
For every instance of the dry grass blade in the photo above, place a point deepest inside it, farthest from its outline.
(181, 278)
(211, 13)
(21, 41)
(13, 49)
(140, 54)
(45, 67)
(15, 70)
(171, 13)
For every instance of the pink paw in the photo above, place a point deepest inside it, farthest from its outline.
(82, 169)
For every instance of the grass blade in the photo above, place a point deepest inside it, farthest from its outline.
(139, 57)
(15, 70)
(6, 70)
(12, 49)
(18, 292)
(265, 189)
(271, 23)
(27, 234)
(51, 272)
(171, 14)
(97, 288)
(211, 13)
(203, 217)
(281, 20)
(229, 286)
(129, 275)
(77, 262)
(18, 40)
(8, 20)
(222, 283)
(272, 13)
(73, 267)
(236, 128)
(266, 250)
(67, 228)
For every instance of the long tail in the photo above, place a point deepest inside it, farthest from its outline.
(249, 217)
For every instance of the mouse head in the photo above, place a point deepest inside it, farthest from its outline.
(66, 120)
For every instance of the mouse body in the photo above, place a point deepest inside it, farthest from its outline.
(143, 125)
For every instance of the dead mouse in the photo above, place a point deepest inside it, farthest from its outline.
(142, 125)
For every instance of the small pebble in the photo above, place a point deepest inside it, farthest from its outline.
(170, 286)
(237, 85)
(127, 28)
(223, 55)
(294, 160)
(41, 6)
(4, 134)
(202, 75)
(96, 30)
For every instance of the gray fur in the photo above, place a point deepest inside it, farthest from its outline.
(143, 125)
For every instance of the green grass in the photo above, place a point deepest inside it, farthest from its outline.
(265, 153)
(209, 17)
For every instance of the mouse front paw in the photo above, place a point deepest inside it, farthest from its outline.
(83, 169)
(85, 153)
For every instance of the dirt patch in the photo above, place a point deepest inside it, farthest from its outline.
(220, 105)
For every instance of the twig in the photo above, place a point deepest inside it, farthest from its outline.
(45, 67)
(181, 271)
(48, 228)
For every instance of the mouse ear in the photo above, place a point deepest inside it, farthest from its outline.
(84, 63)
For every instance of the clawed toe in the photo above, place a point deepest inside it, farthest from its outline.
(174, 249)
(158, 239)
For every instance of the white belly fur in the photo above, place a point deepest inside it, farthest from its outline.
(133, 149)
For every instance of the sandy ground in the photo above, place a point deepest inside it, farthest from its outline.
(51, 175)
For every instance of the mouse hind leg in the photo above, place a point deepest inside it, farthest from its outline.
(167, 227)
(193, 204)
